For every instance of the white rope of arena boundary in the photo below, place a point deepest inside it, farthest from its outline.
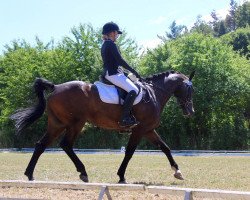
(187, 193)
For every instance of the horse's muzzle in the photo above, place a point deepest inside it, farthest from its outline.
(188, 110)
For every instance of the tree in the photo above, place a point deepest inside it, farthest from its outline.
(221, 28)
(215, 23)
(243, 15)
(76, 57)
(240, 40)
(220, 98)
(219, 79)
(175, 31)
(155, 60)
(82, 48)
(200, 26)
(218, 25)
(230, 20)
(214, 17)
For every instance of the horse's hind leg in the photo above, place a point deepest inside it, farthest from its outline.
(153, 137)
(40, 147)
(67, 145)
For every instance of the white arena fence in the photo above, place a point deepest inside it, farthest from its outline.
(186, 193)
(122, 150)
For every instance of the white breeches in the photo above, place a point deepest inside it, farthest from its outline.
(122, 81)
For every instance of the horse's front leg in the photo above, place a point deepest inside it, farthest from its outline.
(153, 137)
(131, 147)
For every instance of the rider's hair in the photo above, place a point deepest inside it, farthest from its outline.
(106, 36)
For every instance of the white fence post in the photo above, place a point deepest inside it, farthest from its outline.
(188, 195)
(103, 191)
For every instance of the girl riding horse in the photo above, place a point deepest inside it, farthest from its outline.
(72, 104)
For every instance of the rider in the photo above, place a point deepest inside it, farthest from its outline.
(112, 59)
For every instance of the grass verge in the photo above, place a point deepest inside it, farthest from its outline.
(227, 173)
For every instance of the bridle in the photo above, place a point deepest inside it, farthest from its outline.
(188, 99)
(182, 102)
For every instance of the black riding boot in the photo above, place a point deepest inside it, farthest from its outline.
(126, 119)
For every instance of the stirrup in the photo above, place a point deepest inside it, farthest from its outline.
(128, 122)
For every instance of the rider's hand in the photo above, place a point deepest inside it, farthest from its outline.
(139, 77)
(136, 74)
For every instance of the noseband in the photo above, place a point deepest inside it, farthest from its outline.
(188, 99)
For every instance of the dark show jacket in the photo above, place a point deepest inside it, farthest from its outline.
(112, 58)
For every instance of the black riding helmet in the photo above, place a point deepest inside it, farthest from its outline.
(109, 27)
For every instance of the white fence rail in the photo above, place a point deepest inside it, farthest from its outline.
(186, 193)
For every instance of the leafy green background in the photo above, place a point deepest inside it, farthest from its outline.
(218, 51)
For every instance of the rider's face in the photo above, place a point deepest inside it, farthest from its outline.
(114, 35)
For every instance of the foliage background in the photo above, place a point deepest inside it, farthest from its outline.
(218, 51)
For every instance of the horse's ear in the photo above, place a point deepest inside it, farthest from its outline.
(191, 75)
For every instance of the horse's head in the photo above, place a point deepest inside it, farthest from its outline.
(183, 93)
(177, 84)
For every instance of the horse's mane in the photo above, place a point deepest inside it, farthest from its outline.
(162, 75)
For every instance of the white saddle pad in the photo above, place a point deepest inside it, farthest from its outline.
(109, 94)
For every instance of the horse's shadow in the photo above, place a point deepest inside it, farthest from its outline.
(157, 184)
(148, 183)
(176, 183)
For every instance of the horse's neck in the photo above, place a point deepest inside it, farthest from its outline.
(164, 90)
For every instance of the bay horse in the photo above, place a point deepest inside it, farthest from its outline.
(70, 105)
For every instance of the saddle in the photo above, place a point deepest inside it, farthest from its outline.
(110, 93)
(121, 93)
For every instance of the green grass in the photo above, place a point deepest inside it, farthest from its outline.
(229, 173)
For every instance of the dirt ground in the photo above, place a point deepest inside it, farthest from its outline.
(14, 193)
(65, 194)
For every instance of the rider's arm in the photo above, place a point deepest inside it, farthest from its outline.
(120, 60)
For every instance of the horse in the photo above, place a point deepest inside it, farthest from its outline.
(71, 104)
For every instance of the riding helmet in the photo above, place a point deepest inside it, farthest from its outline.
(109, 27)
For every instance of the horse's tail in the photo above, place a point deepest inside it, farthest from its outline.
(25, 117)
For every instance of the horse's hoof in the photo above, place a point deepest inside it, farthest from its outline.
(178, 175)
(122, 182)
(84, 178)
(30, 177)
